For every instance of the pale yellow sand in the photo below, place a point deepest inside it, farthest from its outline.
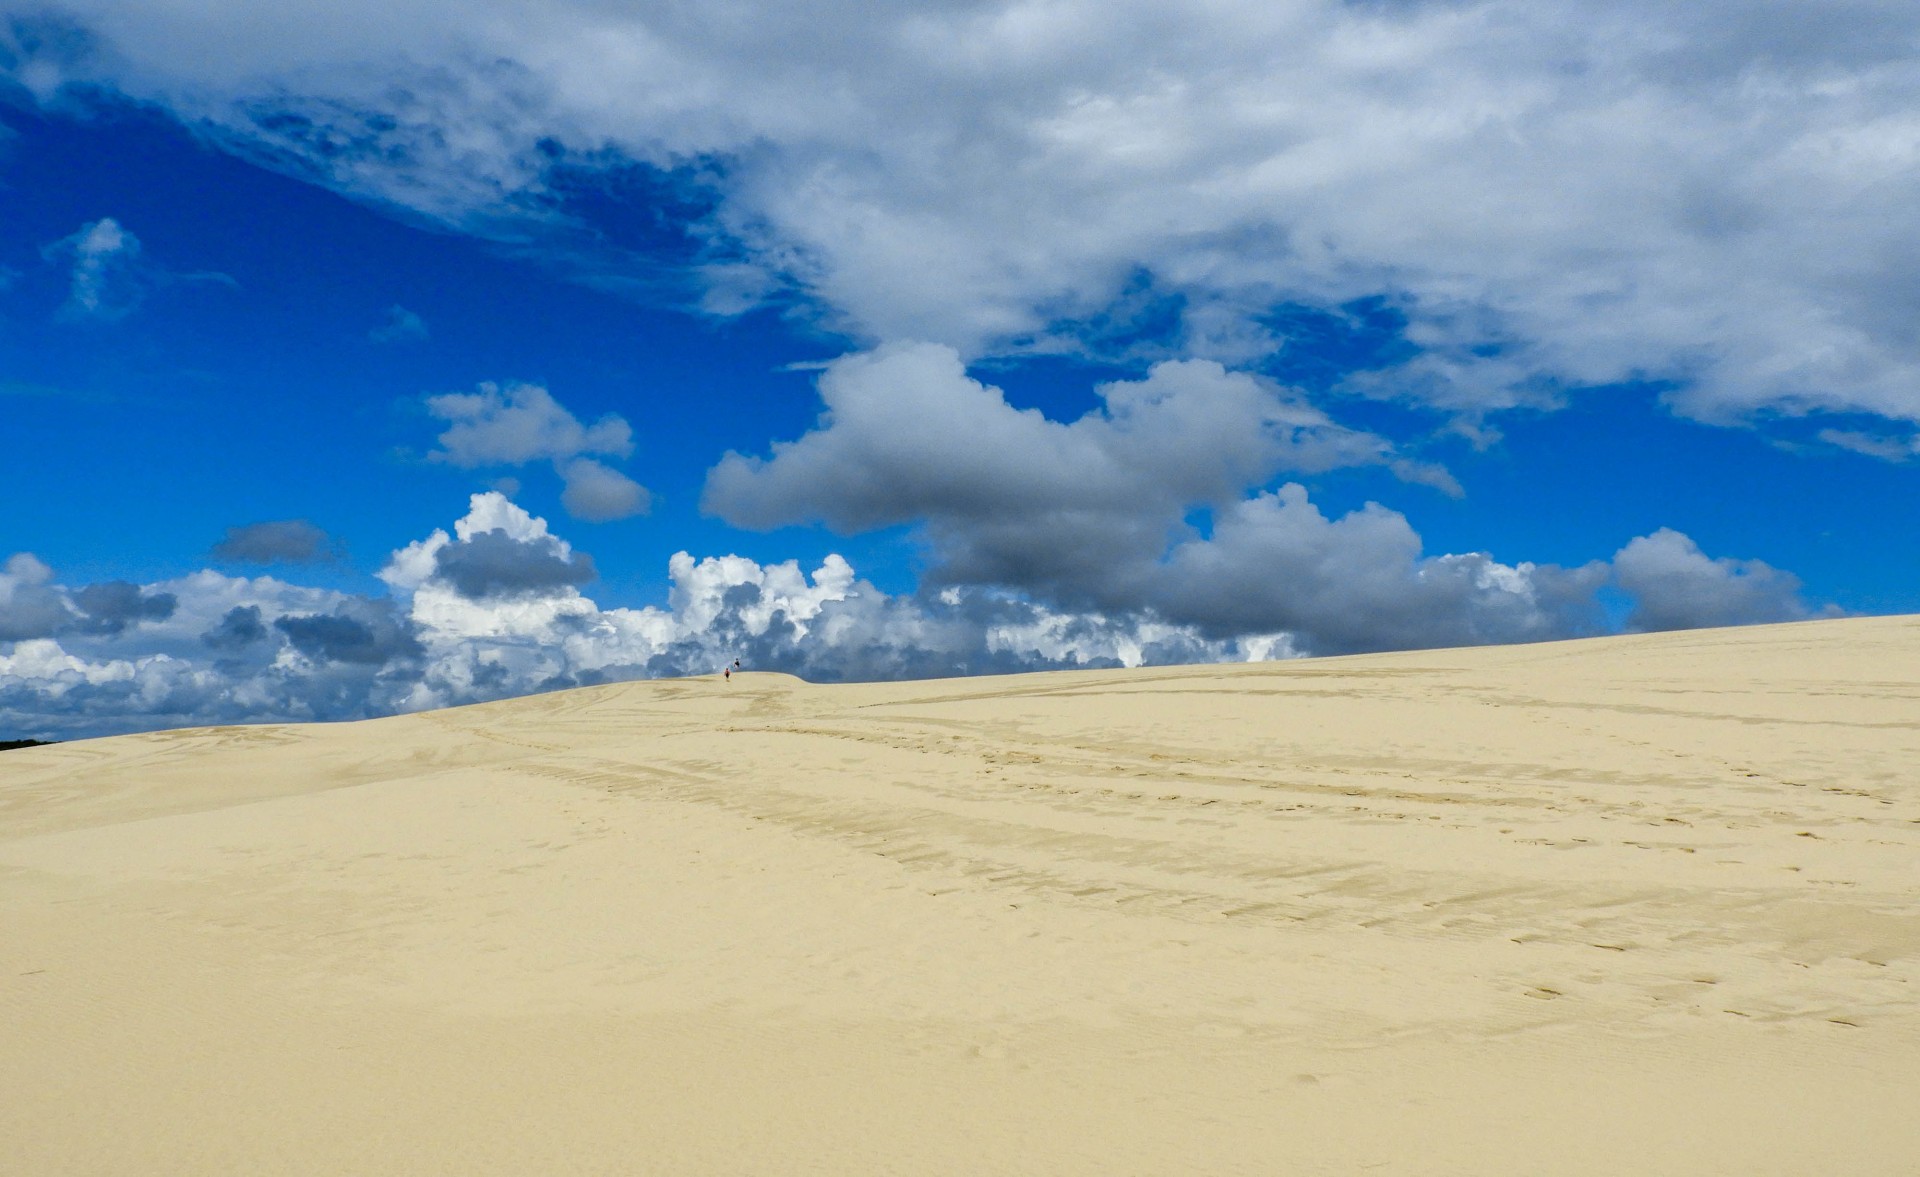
(1633, 906)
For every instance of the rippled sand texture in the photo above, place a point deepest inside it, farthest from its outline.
(1640, 905)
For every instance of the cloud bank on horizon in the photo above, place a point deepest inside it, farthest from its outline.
(495, 609)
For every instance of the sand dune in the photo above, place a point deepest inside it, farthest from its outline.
(1637, 905)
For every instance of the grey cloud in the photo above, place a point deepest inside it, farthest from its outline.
(369, 634)
(239, 628)
(29, 606)
(33, 615)
(1011, 497)
(112, 606)
(598, 493)
(494, 564)
(279, 541)
(1361, 583)
(908, 434)
(1677, 586)
(1091, 514)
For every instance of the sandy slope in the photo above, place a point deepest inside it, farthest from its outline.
(1642, 905)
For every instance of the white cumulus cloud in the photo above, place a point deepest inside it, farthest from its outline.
(522, 423)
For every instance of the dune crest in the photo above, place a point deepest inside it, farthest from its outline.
(1641, 904)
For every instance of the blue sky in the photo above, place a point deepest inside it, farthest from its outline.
(1312, 329)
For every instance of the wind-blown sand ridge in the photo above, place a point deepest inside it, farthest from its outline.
(1629, 905)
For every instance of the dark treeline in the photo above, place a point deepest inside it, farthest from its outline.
(9, 745)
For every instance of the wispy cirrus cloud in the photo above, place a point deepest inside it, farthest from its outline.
(109, 274)
(108, 278)
(402, 326)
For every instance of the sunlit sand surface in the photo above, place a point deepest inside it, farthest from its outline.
(1631, 906)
